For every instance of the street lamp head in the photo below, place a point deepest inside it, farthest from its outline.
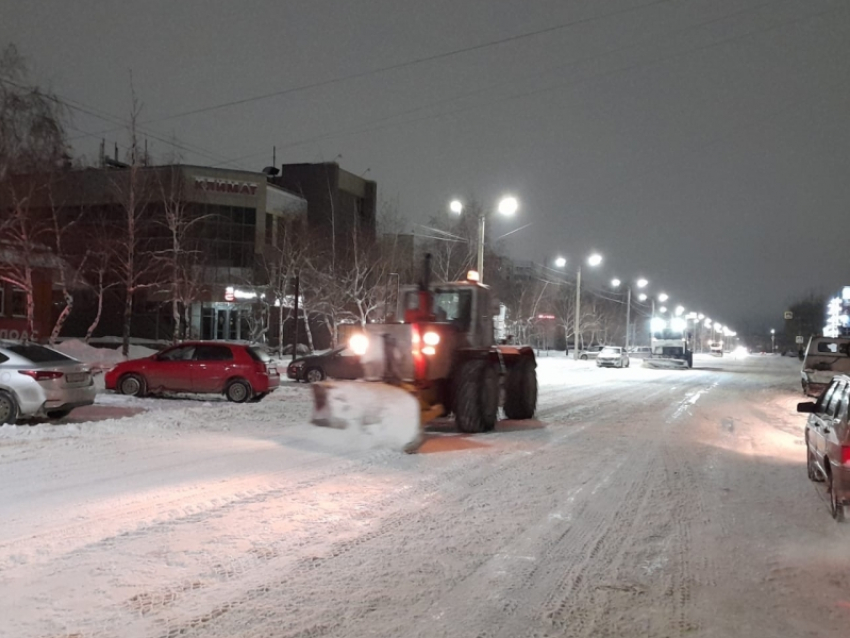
(560, 262)
(508, 205)
(680, 310)
(642, 283)
(615, 283)
(663, 297)
(595, 259)
(772, 331)
(700, 316)
(662, 309)
(456, 206)
(642, 296)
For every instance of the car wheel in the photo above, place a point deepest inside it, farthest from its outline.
(133, 385)
(583, 357)
(238, 391)
(314, 375)
(8, 408)
(58, 414)
(811, 468)
(627, 363)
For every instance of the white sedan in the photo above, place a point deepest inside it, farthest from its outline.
(612, 357)
(36, 381)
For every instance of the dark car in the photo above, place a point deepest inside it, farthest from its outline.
(238, 371)
(828, 442)
(339, 363)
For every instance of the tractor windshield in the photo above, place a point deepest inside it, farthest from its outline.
(450, 306)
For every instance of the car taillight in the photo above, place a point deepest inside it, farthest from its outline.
(42, 375)
(845, 455)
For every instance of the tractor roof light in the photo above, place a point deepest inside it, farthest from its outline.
(657, 324)
(473, 275)
(431, 338)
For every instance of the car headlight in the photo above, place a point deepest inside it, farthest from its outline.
(359, 343)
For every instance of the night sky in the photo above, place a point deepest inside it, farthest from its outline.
(702, 144)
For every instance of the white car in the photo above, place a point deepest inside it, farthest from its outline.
(612, 357)
(36, 381)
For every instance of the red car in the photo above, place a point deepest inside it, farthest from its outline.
(240, 372)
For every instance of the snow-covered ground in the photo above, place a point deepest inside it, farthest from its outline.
(640, 502)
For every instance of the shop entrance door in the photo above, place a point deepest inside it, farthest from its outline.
(225, 322)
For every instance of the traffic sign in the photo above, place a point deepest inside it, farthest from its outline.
(799, 339)
(789, 314)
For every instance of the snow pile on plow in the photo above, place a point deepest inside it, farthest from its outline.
(367, 415)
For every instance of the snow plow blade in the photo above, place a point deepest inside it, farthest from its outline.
(369, 414)
(665, 364)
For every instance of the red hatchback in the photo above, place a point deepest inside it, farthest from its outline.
(240, 372)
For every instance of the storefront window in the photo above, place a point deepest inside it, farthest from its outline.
(19, 303)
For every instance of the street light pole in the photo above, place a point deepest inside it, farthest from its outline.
(578, 311)
(628, 314)
(481, 247)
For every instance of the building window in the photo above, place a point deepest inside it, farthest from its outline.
(19, 303)
(269, 229)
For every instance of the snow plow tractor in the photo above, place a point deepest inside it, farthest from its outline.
(440, 360)
(669, 345)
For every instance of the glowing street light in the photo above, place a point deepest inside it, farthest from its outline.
(642, 296)
(615, 283)
(593, 260)
(663, 297)
(772, 341)
(507, 206)
(680, 310)
(642, 283)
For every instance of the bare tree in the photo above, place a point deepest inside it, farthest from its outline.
(131, 253)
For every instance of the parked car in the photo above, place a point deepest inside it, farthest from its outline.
(586, 353)
(828, 442)
(640, 351)
(36, 381)
(612, 357)
(339, 363)
(240, 372)
(825, 358)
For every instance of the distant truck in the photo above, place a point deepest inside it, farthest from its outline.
(669, 344)
(825, 358)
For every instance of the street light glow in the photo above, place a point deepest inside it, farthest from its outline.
(663, 297)
(560, 262)
(616, 283)
(595, 259)
(508, 205)
(642, 283)
(680, 310)
(700, 316)
(642, 296)
(662, 309)
(456, 206)
(772, 331)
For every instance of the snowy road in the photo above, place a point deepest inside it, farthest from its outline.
(642, 503)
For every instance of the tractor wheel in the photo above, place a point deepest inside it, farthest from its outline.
(476, 397)
(521, 390)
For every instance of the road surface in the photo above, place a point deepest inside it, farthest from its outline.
(640, 503)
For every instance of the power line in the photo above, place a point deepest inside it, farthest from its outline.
(410, 63)
(533, 92)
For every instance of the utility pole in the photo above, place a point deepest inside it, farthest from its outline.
(481, 247)
(295, 339)
(628, 316)
(578, 311)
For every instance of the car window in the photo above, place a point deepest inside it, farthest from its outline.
(841, 412)
(180, 353)
(610, 350)
(257, 355)
(3, 358)
(823, 402)
(37, 354)
(213, 353)
(835, 399)
(828, 347)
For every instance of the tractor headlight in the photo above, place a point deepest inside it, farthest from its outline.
(359, 343)
(431, 338)
(429, 350)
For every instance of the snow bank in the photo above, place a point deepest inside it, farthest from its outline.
(100, 358)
